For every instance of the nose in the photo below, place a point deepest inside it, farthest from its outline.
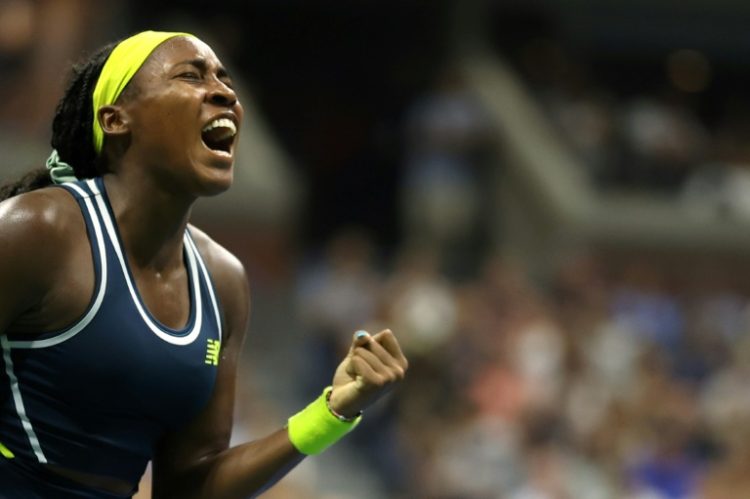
(221, 94)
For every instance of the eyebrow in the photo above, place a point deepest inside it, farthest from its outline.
(202, 65)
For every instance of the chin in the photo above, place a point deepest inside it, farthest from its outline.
(216, 188)
(215, 183)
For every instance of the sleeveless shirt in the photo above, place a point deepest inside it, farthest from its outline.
(97, 396)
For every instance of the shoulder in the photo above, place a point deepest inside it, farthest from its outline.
(229, 278)
(42, 222)
(220, 261)
(39, 231)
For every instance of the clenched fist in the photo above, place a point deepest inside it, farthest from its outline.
(372, 366)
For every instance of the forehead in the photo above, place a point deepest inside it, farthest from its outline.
(175, 51)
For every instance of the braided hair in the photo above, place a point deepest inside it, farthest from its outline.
(71, 128)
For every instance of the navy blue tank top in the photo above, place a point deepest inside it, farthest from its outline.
(98, 396)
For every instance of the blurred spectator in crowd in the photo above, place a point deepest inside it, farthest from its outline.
(663, 462)
(720, 186)
(420, 302)
(663, 142)
(642, 306)
(445, 190)
(646, 140)
(584, 113)
(725, 406)
(338, 293)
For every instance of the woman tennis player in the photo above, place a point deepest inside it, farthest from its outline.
(120, 323)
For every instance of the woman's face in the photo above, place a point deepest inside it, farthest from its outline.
(184, 118)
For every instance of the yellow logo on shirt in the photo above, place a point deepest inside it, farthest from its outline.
(212, 352)
(6, 452)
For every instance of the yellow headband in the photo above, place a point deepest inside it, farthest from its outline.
(124, 61)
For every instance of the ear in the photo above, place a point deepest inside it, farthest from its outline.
(114, 120)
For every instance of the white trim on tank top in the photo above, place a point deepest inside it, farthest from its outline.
(182, 340)
(209, 284)
(86, 319)
(18, 401)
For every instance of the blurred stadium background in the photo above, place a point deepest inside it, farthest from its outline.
(547, 200)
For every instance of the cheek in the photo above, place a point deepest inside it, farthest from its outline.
(174, 112)
(166, 126)
(173, 131)
(176, 122)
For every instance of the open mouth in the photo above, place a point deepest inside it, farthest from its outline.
(219, 135)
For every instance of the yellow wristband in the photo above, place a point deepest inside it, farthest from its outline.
(315, 428)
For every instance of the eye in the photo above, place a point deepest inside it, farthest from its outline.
(190, 75)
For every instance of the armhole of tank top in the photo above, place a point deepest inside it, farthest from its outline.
(99, 260)
(215, 301)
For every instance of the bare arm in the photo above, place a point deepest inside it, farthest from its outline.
(197, 463)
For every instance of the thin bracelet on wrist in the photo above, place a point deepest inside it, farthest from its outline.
(335, 414)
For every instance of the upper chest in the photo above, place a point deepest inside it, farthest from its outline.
(166, 296)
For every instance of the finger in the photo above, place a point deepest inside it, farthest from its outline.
(363, 352)
(372, 360)
(390, 343)
(366, 375)
(383, 355)
(389, 370)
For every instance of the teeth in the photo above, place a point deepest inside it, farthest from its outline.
(222, 123)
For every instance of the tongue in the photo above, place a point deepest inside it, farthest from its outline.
(218, 138)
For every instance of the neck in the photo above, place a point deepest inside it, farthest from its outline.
(151, 220)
